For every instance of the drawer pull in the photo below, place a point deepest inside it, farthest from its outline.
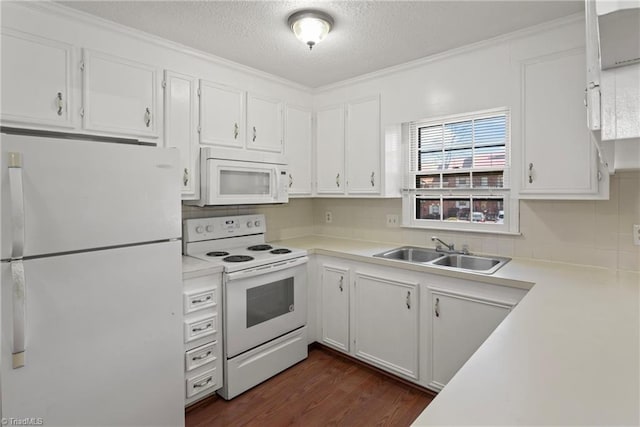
(200, 301)
(202, 328)
(203, 383)
(202, 356)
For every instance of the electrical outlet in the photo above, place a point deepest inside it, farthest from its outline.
(392, 220)
(328, 217)
(636, 234)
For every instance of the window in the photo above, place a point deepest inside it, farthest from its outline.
(457, 173)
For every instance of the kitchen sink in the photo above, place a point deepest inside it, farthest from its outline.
(411, 254)
(472, 262)
(426, 256)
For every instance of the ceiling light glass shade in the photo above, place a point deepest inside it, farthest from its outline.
(310, 27)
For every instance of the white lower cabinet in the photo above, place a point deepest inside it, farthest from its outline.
(386, 323)
(400, 321)
(459, 325)
(202, 300)
(334, 291)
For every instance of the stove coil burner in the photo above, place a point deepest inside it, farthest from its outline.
(260, 248)
(217, 253)
(238, 258)
(281, 251)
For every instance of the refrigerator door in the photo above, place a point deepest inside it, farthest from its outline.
(103, 337)
(85, 194)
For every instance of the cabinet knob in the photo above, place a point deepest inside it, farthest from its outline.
(147, 117)
(60, 103)
(530, 173)
(185, 177)
(236, 130)
(437, 307)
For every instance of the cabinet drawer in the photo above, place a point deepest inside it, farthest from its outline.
(197, 300)
(194, 329)
(199, 383)
(201, 355)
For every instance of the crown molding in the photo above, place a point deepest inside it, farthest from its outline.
(67, 12)
(514, 35)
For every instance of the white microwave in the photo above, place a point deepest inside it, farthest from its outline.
(242, 181)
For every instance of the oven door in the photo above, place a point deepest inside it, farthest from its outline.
(264, 303)
(238, 182)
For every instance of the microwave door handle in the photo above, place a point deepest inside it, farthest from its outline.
(275, 184)
(271, 268)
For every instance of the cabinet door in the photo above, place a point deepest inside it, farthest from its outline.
(559, 158)
(222, 115)
(363, 146)
(264, 124)
(459, 325)
(335, 307)
(180, 128)
(592, 90)
(36, 80)
(386, 323)
(119, 96)
(297, 149)
(330, 151)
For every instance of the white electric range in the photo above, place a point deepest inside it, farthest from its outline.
(264, 297)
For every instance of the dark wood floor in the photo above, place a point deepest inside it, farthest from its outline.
(325, 389)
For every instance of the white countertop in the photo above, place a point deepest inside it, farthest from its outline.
(192, 267)
(568, 354)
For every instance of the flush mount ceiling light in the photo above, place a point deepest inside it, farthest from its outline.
(310, 26)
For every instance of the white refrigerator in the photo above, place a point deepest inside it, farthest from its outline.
(91, 284)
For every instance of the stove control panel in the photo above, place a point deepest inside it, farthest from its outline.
(199, 229)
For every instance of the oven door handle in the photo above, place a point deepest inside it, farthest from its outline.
(265, 269)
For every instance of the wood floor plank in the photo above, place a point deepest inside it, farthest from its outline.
(323, 390)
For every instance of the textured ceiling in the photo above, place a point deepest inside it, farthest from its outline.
(367, 36)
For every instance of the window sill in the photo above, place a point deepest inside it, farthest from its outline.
(464, 230)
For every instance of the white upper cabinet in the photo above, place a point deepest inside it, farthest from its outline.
(181, 128)
(264, 124)
(559, 158)
(330, 150)
(36, 81)
(363, 146)
(592, 90)
(386, 323)
(119, 95)
(297, 149)
(459, 325)
(222, 115)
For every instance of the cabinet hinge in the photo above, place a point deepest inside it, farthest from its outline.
(82, 112)
(164, 84)
(82, 66)
(599, 176)
(199, 92)
(199, 129)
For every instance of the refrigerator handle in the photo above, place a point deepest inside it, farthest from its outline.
(17, 252)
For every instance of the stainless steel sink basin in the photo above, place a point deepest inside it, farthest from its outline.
(426, 256)
(411, 254)
(471, 262)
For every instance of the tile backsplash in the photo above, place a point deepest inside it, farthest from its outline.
(595, 233)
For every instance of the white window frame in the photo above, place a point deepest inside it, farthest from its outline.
(410, 193)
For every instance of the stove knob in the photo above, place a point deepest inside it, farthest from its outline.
(249, 224)
(209, 228)
(199, 229)
(257, 223)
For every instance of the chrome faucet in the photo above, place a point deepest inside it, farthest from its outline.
(451, 248)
